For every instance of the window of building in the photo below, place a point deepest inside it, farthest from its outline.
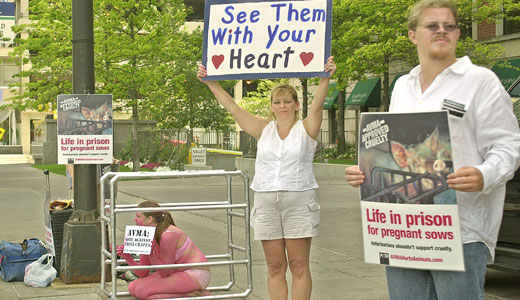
(231, 91)
(8, 70)
(249, 86)
(512, 26)
(197, 10)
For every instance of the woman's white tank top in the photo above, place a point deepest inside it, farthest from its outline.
(284, 165)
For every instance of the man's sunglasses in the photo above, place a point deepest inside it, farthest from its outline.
(436, 26)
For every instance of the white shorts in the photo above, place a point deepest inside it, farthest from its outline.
(285, 215)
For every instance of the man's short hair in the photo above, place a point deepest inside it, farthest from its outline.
(419, 7)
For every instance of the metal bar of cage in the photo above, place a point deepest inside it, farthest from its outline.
(109, 209)
(440, 184)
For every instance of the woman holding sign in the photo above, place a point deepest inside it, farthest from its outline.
(170, 246)
(285, 216)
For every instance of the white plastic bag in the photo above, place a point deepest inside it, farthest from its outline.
(39, 274)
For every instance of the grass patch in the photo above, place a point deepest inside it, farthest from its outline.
(56, 169)
(345, 161)
(125, 169)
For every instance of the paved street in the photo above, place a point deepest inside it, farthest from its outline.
(336, 256)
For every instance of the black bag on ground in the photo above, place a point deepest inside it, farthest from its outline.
(15, 256)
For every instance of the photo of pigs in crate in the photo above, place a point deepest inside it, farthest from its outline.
(84, 115)
(406, 158)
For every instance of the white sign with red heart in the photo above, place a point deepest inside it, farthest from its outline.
(266, 39)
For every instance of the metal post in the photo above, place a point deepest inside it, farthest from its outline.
(230, 231)
(82, 234)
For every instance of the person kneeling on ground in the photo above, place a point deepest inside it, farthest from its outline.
(170, 246)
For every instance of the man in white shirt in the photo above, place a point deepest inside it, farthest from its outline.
(485, 143)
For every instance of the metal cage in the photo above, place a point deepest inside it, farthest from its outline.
(109, 210)
(383, 192)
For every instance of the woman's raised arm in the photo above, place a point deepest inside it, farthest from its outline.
(251, 124)
(312, 122)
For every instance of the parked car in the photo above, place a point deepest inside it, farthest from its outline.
(508, 245)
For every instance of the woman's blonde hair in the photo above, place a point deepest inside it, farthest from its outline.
(419, 7)
(163, 218)
(281, 89)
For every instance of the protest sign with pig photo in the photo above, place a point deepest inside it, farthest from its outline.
(251, 39)
(410, 216)
(85, 129)
(406, 158)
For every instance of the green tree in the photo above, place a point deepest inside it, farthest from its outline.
(366, 37)
(512, 10)
(136, 47)
(152, 63)
(186, 101)
(369, 37)
(45, 45)
(142, 56)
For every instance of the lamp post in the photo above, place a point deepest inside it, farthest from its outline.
(81, 259)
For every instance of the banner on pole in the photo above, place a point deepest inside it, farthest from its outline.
(85, 129)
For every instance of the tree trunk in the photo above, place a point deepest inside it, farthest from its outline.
(342, 149)
(386, 87)
(135, 137)
(305, 99)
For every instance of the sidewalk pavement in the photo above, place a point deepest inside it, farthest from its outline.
(337, 265)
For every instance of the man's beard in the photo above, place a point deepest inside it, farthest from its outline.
(442, 53)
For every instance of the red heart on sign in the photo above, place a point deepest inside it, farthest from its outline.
(217, 60)
(306, 57)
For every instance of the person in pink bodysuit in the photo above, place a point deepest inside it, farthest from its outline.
(170, 246)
